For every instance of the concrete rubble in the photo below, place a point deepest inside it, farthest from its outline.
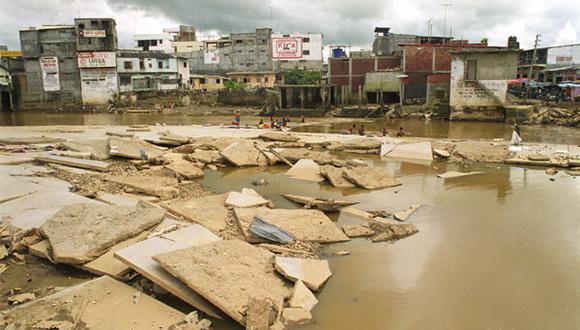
(455, 174)
(229, 274)
(370, 178)
(246, 198)
(335, 177)
(80, 233)
(416, 151)
(208, 211)
(306, 170)
(358, 230)
(302, 297)
(182, 167)
(326, 205)
(244, 153)
(313, 273)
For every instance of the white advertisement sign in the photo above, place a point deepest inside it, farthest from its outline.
(50, 78)
(93, 33)
(211, 57)
(96, 59)
(287, 48)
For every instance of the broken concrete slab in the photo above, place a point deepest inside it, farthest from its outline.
(102, 303)
(124, 199)
(244, 153)
(539, 158)
(162, 187)
(75, 162)
(208, 211)
(132, 149)
(248, 199)
(388, 232)
(307, 170)
(293, 317)
(302, 297)
(403, 215)
(261, 229)
(119, 134)
(31, 140)
(73, 170)
(229, 274)
(80, 233)
(182, 167)
(441, 153)
(370, 178)
(312, 272)
(260, 315)
(296, 154)
(99, 149)
(362, 144)
(327, 205)
(358, 230)
(416, 151)
(32, 210)
(279, 136)
(139, 257)
(386, 148)
(15, 159)
(455, 174)
(21, 298)
(304, 225)
(335, 177)
(174, 138)
(205, 156)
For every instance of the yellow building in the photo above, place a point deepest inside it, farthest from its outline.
(254, 79)
(206, 83)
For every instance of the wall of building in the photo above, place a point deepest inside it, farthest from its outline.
(297, 51)
(96, 34)
(162, 40)
(98, 72)
(350, 72)
(149, 77)
(437, 89)
(467, 99)
(254, 79)
(207, 83)
(59, 41)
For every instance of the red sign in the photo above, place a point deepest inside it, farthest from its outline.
(290, 47)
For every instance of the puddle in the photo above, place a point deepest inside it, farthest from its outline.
(496, 250)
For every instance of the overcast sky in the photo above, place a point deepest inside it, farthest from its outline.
(341, 21)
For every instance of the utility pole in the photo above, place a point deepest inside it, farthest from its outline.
(530, 72)
(445, 6)
(429, 30)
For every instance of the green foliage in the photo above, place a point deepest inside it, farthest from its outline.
(301, 77)
(484, 40)
(230, 84)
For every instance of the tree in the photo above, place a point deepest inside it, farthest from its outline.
(301, 77)
(484, 40)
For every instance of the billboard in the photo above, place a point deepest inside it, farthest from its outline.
(287, 47)
(211, 57)
(96, 59)
(93, 33)
(50, 78)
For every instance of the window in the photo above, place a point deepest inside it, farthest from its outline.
(150, 65)
(94, 23)
(217, 81)
(202, 80)
(471, 73)
(305, 40)
(265, 79)
(128, 65)
(81, 26)
(160, 41)
(239, 41)
(286, 35)
(125, 80)
(185, 64)
(306, 52)
(160, 65)
(246, 80)
(141, 64)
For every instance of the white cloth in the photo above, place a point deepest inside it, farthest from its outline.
(516, 139)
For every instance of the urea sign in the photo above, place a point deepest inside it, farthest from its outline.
(96, 59)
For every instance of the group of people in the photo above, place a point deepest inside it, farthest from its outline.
(384, 131)
(280, 123)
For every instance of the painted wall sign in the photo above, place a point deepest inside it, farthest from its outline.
(289, 47)
(211, 57)
(93, 33)
(96, 59)
(50, 77)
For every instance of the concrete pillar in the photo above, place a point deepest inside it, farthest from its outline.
(302, 97)
(359, 97)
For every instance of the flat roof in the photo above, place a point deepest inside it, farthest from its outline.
(484, 51)
(143, 53)
(49, 27)
(249, 72)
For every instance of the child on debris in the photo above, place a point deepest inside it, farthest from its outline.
(237, 119)
(302, 120)
(385, 131)
(352, 129)
(400, 133)
(361, 130)
(516, 139)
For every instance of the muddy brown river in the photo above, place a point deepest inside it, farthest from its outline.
(500, 250)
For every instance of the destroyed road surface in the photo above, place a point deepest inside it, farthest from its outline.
(180, 227)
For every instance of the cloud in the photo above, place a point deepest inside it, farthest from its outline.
(341, 21)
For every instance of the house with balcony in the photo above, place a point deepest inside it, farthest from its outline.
(146, 71)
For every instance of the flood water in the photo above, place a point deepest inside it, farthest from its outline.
(415, 127)
(498, 250)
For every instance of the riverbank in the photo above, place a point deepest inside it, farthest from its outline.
(187, 163)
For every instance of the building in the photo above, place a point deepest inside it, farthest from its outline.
(297, 51)
(387, 43)
(257, 79)
(172, 40)
(553, 64)
(479, 82)
(146, 71)
(96, 34)
(206, 83)
(348, 76)
(50, 64)
(96, 46)
(427, 69)
(238, 52)
(12, 77)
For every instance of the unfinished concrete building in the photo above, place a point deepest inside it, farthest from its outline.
(96, 34)
(50, 64)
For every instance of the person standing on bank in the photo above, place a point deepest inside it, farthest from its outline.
(237, 119)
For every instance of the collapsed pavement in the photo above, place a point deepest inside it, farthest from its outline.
(138, 199)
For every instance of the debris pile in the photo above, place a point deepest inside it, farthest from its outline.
(555, 116)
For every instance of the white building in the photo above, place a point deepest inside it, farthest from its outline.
(161, 41)
(141, 71)
(297, 50)
(98, 73)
